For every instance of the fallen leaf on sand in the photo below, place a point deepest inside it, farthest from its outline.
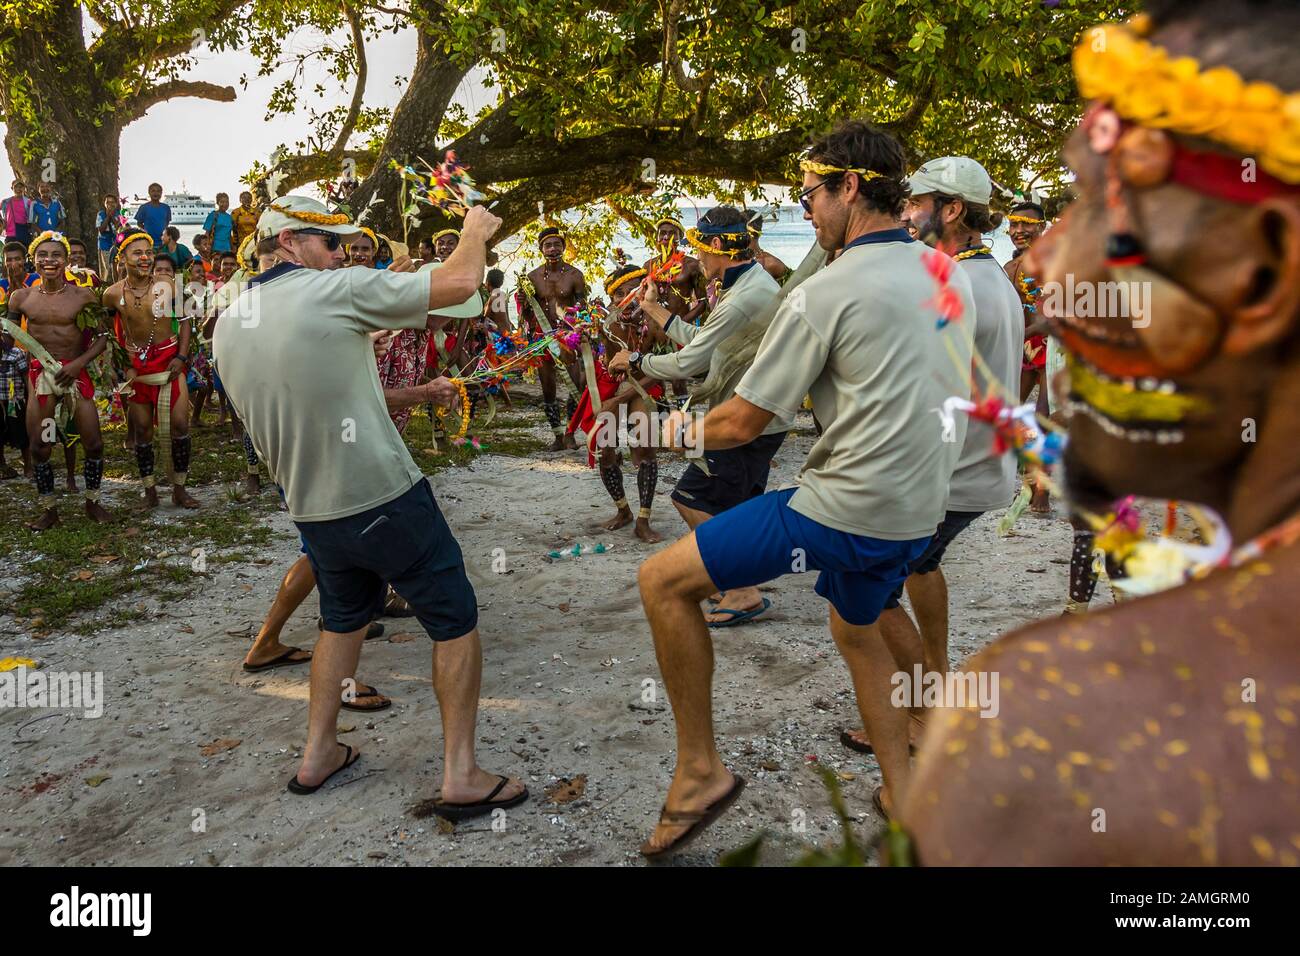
(130, 532)
(85, 575)
(445, 825)
(13, 663)
(220, 745)
(565, 790)
(401, 638)
(770, 765)
(105, 558)
(563, 607)
(845, 775)
(96, 780)
(186, 629)
(247, 587)
(347, 729)
(244, 631)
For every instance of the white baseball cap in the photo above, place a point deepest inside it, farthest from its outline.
(302, 212)
(957, 176)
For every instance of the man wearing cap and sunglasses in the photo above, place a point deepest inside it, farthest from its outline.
(296, 355)
(862, 341)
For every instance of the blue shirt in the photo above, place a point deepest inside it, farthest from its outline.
(154, 219)
(106, 239)
(47, 217)
(222, 226)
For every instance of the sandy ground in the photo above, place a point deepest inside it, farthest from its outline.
(566, 656)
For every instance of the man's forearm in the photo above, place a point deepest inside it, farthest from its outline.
(399, 398)
(727, 426)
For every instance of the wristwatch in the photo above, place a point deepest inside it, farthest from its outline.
(634, 361)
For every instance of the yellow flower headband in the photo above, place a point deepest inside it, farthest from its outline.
(623, 279)
(1027, 219)
(316, 218)
(49, 235)
(446, 232)
(696, 241)
(121, 249)
(1145, 85)
(365, 232)
(822, 169)
(247, 261)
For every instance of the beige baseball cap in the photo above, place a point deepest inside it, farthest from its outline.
(471, 308)
(302, 212)
(957, 176)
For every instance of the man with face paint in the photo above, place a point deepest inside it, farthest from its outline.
(1174, 713)
(1027, 221)
(145, 323)
(57, 378)
(684, 294)
(558, 285)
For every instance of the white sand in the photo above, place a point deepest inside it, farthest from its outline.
(566, 652)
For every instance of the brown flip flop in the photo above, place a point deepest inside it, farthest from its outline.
(698, 820)
(371, 694)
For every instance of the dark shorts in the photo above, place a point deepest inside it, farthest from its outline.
(738, 474)
(765, 538)
(405, 543)
(953, 524)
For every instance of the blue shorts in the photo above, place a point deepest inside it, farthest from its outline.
(954, 523)
(765, 538)
(405, 543)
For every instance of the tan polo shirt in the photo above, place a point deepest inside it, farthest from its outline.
(862, 341)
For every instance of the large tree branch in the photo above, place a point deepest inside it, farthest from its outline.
(133, 108)
(358, 92)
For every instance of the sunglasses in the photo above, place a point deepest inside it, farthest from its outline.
(332, 239)
(802, 197)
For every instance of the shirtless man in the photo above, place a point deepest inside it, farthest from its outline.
(684, 295)
(558, 285)
(1172, 714)
(144, 316)
(50, 311)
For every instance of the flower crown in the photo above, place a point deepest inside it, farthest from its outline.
(823, 169)
(696, 240)
(610, 286)
(1145, 85)
(49, 235)
(316, 218)
(363, 230)
(446, 232)
(121, 246)
(1027, 219)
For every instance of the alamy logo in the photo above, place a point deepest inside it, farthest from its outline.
(930, 689)
(75, 909)
(75, 690)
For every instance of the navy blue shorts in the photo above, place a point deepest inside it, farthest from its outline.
(738, 474)
(405, 543)
(954, 523)
(765, 538)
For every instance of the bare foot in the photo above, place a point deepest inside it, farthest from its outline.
(620, 520)
(476, 786)
(569, 441)
(47, 520)
(182, 498)
(96, 512)
(72, 484)
(689, 794)
(557, 445)
(314, 771)
(151, 496)
(253, 485)
(648, 534)
(1040, 503)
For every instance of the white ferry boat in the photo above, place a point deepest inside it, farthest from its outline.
(187, 208)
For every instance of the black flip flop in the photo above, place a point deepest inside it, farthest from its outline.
(303, 790)
(455, 812)
(281, 661)
(848, 740)
(698, 820)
